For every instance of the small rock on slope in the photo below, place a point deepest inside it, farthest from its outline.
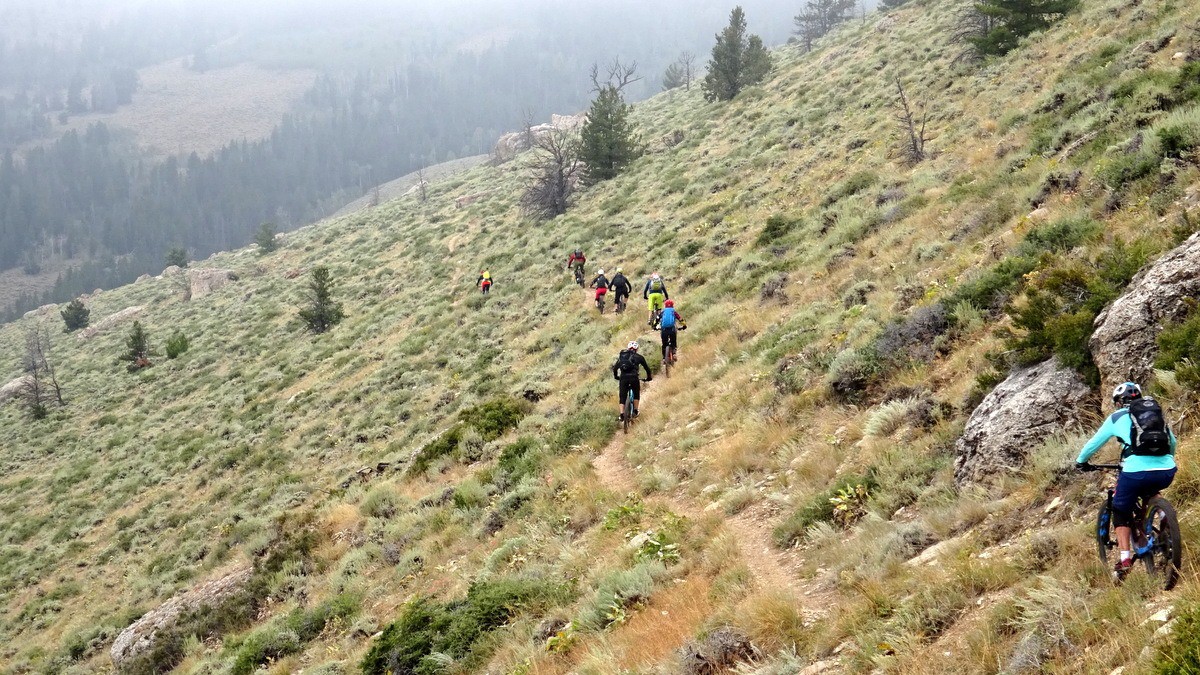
(1124, 344)
(1030, 406)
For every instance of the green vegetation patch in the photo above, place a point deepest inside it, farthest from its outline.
(822, 507)
(455, 629)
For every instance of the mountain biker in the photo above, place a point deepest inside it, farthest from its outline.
(669, 324)
(601, 284)
(576, 262)
(625, 370)
(620, 287)
(655, 293)
(1147, 459)
(484, 281)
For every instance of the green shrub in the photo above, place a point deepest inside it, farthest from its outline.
(853, 371)
(823, 507)
(1061, 235)
(592, 426)
(1181, 652)
(177, 344)
(988, 290)
(290, 635)
(495, 417)
(426, 627)
(690, 249)
(382, 501)
(1179, 350)
(776, 228)
(440, 447)
(850, 187)
(519, 459)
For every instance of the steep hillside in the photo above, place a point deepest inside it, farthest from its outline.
(847, 312)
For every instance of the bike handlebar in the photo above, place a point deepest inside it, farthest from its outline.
(1102, 467)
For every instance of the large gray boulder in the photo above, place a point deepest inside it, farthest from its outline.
(511, 144)
(1030, 406)
(204, 281)
(1124, 344)
(142, 635)
(13, 388)
(110, 321)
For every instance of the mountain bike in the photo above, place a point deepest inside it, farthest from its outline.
(600, 303)
(619, 305)
(579, 277)
(668, 361)
(1156, 538)
(627, 411)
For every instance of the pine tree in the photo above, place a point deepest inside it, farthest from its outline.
(738, 60)
(322, 312)
(75, 316)
(177, 256)
(266, 238)
(1011, 20)
(137, 348)
(673, 77)
(607, 141)
(819, 17)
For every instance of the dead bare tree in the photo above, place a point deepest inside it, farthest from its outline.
(422, 185)
(687, 66)
(40, 385)
(969, 23)
(554, 175)
(912, 122)
(620, 75)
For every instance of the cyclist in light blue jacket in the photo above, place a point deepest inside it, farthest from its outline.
(1147, 459)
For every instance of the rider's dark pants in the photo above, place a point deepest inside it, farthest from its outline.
(628, 384)
(1131, 486)
(670, 339)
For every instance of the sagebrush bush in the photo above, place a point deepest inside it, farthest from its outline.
(177, 344)
(1179, 350)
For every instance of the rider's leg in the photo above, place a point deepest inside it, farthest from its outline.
(622, 393)
(637, 396)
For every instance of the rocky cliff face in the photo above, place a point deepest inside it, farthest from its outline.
(1124, 342)
(1032, 404)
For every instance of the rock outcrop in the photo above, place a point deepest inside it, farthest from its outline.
(13, 389)
(44, 309)
(512, 144)
(1031, 405)
(202, 282)
(1124, 344)
(142, 635)
(110, 321)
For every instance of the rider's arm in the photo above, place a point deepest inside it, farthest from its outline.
(646, 364)
(664, 292)
(1106, 433)
(646, 291)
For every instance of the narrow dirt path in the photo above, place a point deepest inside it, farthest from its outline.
(772, 569)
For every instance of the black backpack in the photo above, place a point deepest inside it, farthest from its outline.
(627, 366)
(1149, 435)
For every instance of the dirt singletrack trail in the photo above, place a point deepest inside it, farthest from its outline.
(772, 569)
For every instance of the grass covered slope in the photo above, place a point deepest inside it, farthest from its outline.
(843, 311)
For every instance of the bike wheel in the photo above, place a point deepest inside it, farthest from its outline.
(628, 414)
(1166, 555)
(1104, 535)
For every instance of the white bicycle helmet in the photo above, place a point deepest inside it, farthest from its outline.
(633, 345)
(600, 272)
(1126, 392)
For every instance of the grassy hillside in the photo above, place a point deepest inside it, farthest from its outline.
(512, 515)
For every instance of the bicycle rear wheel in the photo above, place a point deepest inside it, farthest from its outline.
(1105, 542)
(628, 417)
(1166, 556)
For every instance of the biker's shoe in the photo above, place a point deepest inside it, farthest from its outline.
(1122, 568)
(635, 414)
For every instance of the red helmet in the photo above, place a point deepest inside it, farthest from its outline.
(669, 303)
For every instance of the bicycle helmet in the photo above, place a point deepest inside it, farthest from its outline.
(618, 270)
(632, 346)
(578, 251)
(1125, 393)
(669, 303)
(600, 272)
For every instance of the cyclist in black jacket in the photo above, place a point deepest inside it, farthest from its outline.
(620, 286)
(625, 370)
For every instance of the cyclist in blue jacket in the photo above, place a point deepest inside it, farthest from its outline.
(1147, 459)
(669, 324)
